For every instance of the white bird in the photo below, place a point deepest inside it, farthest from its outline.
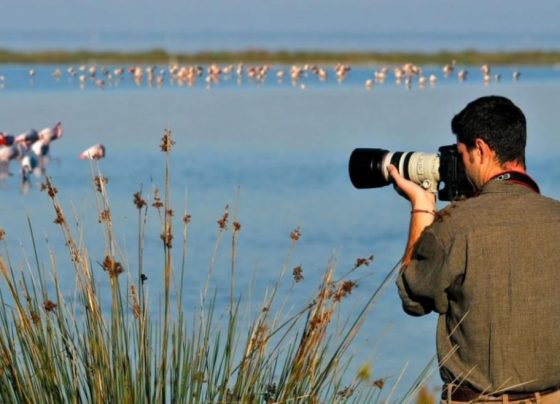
(40, 148)
(94, 152)
(50, 134)
(12, 152)
(28, 164)
(462, 75)
(7, 154)
(28, 137)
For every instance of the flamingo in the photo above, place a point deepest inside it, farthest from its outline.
(28, 164)
(94, 152)
(27, 138)
(12, 152)
(7, 154)
(40, 148)
(50, 134)
(6, 139)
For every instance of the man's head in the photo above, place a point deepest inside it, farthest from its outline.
(491, 137)
(498, 122)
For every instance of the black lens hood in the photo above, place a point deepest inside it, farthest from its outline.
(366, 168)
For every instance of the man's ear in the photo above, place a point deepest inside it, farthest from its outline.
(484, 151)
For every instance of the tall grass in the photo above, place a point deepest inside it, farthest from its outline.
(123, 351)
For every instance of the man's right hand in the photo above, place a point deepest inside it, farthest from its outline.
(419, 198)
(422, 214)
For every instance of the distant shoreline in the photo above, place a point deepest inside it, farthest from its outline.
(159, 56)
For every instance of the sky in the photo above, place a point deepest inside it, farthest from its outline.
(251, 23)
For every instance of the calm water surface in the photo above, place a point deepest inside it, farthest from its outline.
(277, 154)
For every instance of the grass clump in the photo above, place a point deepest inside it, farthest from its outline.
(117, 349)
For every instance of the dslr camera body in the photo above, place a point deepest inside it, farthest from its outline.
(442, 173)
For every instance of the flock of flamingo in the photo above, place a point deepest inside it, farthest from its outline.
(189, 75)
(31, 151)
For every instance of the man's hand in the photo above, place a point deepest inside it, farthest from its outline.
(423, 210)
(419, 198)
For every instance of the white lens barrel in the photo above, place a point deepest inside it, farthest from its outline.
(423, 169)
(419, 167)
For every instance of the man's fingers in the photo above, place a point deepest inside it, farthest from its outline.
(393, 172)
(397, 177)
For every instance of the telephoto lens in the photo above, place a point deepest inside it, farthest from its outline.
(441, 173)
(368, 168)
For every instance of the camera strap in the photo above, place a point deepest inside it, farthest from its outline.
(518, 178)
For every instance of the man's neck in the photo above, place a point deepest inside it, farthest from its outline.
(497, 169)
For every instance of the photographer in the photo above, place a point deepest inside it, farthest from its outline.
(489, 266)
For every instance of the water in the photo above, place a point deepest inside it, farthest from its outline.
(276, 153)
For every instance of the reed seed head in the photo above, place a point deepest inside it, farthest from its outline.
(167, 239)
(2, 234)
(379, 383)
(113, 267)
(49, 305)
(99, 182)
(49, 187)
(295, 235)
(236, 226)
(105, 216)
(166, 141)
(363, 261)
(297, 273)
(343, 290)
(223, 222)
(59, 215)
(139, 201)
(186, 218)
(320, 319)
(158, 204)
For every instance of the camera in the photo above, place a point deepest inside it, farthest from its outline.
(442, 173)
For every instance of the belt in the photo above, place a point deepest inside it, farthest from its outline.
(466, 394)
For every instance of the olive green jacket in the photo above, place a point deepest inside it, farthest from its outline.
(490, 266)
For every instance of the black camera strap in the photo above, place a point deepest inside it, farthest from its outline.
(518, 178)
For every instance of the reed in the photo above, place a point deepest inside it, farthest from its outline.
(122, 351)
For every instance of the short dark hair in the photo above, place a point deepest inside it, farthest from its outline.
(497, 121)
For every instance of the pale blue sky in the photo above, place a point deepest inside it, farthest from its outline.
(527, 21)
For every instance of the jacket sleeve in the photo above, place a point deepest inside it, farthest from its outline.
(423, 284)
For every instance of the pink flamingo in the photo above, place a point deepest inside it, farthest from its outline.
(94, 152)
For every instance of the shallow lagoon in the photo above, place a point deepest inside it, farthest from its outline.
(283, 150)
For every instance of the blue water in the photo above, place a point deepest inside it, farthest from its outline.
(275, 152)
